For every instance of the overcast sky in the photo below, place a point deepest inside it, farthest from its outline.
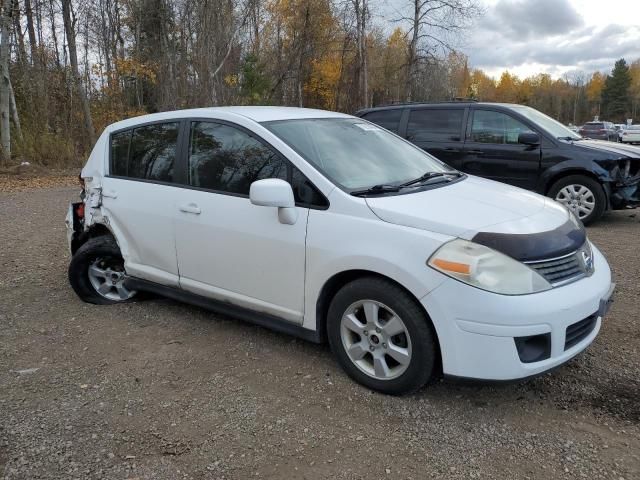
(552, 36)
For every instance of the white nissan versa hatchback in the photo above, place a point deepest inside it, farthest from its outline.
(325, 226)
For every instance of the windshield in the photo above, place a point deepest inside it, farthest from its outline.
(552, 126)
(354, 153)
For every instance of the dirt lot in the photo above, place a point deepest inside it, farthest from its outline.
(161, 390)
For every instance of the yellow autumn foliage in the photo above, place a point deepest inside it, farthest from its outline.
(323, 82)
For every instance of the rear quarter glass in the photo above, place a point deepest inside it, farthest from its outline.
(389, 119)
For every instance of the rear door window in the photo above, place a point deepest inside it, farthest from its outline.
(152, 154)
(435, 125)
(389, 119)
(496, 127)
(147, 152)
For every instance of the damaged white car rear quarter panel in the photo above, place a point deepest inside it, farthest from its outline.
(105, 194)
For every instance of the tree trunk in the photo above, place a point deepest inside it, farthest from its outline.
(365, 67)
(85, 59)
(54, 37)
(105, 45)
(28, 12)
(5, 83)
(39, 24)
(170, 89)
(14, 112)
(413, 50)
(69, 28)
(302, 58)
(575, 103)
(362, 12)
(119, 37)
(343, 55)
(17, 28)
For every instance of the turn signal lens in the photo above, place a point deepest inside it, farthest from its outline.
(453, 267)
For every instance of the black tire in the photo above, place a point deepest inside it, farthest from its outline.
(598, 193)
(424, 349)
(103, 246)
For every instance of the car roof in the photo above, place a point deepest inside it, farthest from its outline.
(455, 103)
(257, 114)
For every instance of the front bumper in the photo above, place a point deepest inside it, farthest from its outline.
(626, 196)
(624, 190)
(477, 329)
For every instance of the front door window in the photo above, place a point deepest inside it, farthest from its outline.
(496, 128)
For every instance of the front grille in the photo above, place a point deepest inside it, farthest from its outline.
(579, 331)
(565, 269)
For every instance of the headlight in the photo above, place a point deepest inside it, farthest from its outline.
(484, 268)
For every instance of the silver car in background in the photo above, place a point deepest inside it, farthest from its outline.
(631, 134)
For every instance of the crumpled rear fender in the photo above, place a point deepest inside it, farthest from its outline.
(625, 183)
(619, 177)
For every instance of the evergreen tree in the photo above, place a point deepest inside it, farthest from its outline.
(616, 100)
(254, 84)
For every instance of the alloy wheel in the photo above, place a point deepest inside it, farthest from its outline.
(375, 339)
(107, 278)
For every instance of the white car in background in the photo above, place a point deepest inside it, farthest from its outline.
(631, 134)
(326, 226)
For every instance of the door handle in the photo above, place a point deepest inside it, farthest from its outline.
(190, 208)
(109, 194)
(475, 152)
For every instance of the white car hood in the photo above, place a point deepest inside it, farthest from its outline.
(469, 206)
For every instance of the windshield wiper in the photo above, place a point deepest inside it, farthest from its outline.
(377, 189)
(384, 188)
(428, 176)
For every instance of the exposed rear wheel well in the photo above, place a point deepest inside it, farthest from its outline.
(81, 238)
(339, 280)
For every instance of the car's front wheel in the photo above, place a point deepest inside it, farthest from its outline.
(96, 272)
(583, 195)
(381, 336)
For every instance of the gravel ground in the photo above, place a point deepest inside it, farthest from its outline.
(160, 390)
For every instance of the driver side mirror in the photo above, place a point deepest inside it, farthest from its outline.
(529, 138)
(273, 192)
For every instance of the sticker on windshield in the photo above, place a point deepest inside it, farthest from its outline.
(368, 128)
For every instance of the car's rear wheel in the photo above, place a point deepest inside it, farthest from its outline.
(96, 272)
(381, 336)
(583, 195)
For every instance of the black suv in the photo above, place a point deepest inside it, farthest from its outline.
(521, 146)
